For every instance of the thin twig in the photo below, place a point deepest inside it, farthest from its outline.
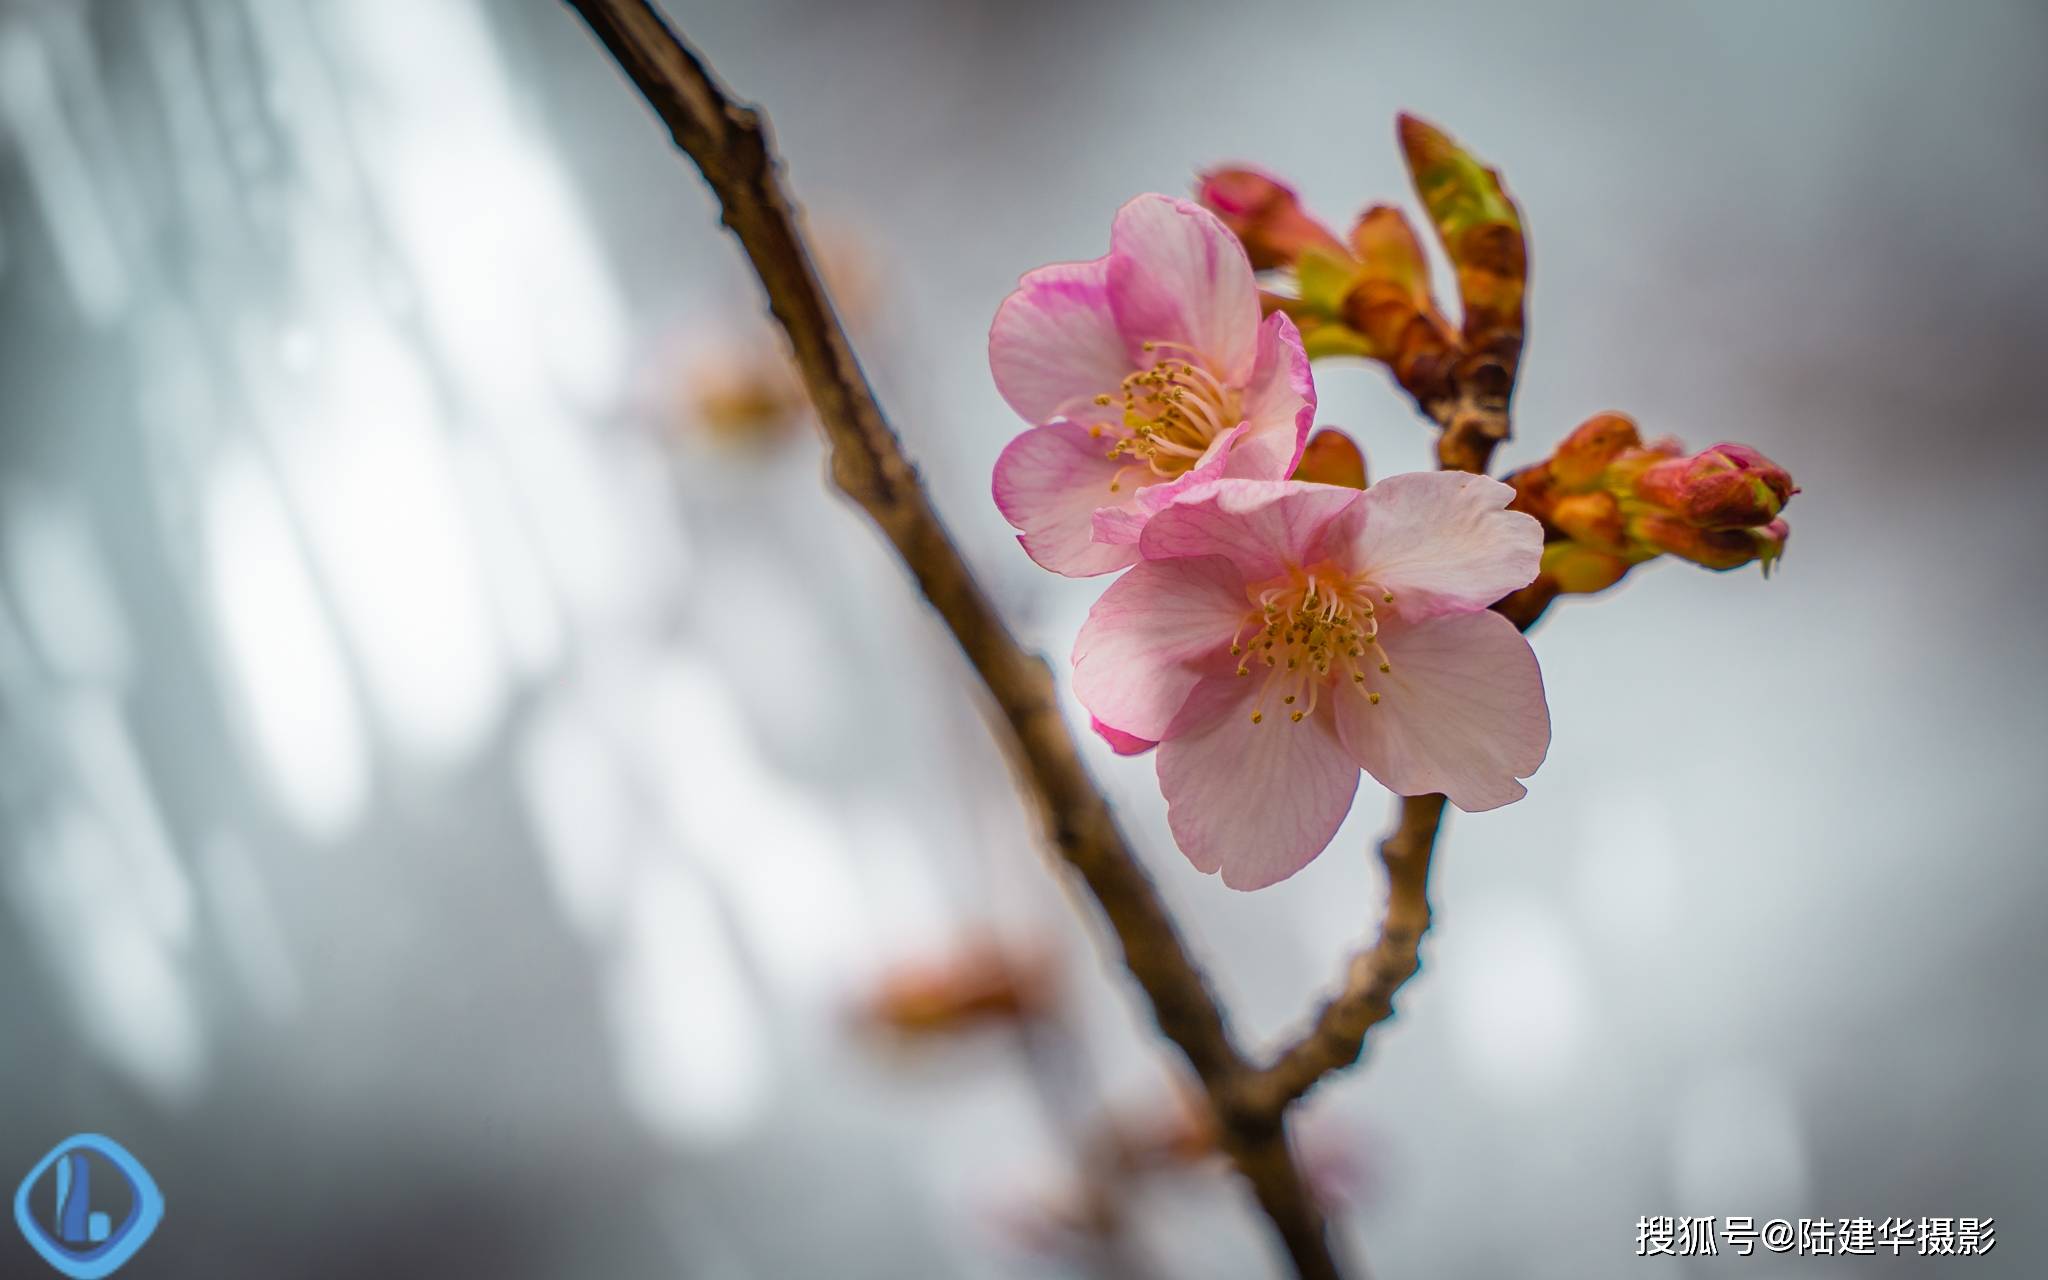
(729, 144)
(1376, 973)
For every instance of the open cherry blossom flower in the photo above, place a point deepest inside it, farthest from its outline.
(1145, 372)
(1278, 637)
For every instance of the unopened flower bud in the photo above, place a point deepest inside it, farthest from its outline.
(1725, 487)
(1332, 458)
(1609, 500)
(981, 983)
(744, 395)
(1480, 227)
(1266, 216)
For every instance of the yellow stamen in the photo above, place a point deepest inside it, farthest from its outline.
(1311, 627)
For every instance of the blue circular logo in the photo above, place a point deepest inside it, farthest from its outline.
(55, 1207)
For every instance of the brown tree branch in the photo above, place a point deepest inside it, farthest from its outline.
(729, 144)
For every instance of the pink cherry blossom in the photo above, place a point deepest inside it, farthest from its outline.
(1145, 373)
(1277, 637)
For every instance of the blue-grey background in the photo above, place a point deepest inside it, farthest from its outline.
(447, 806)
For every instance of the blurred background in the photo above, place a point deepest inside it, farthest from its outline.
(464, 781)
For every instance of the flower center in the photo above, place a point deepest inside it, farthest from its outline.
(1313, 630)
(1172, 412)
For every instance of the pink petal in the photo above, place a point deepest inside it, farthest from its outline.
(1124, 744)
(1213, 465)
(1152, 636)
(1122, 525)
(1264, 526)
(1055, 344)
(1049, 482)
(1255, 801)
(1462, 712)
(1443, 542)
(1177, 275)
(1279, 405)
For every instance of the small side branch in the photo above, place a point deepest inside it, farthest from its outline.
(1367, 998)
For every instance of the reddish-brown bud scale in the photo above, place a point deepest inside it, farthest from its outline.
(1266, 216)
(1390, 300)
(1582, 457)
(1711, 548)
(1535, 491)
(1332, 458)
(1576, 569)
(1591, 518)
